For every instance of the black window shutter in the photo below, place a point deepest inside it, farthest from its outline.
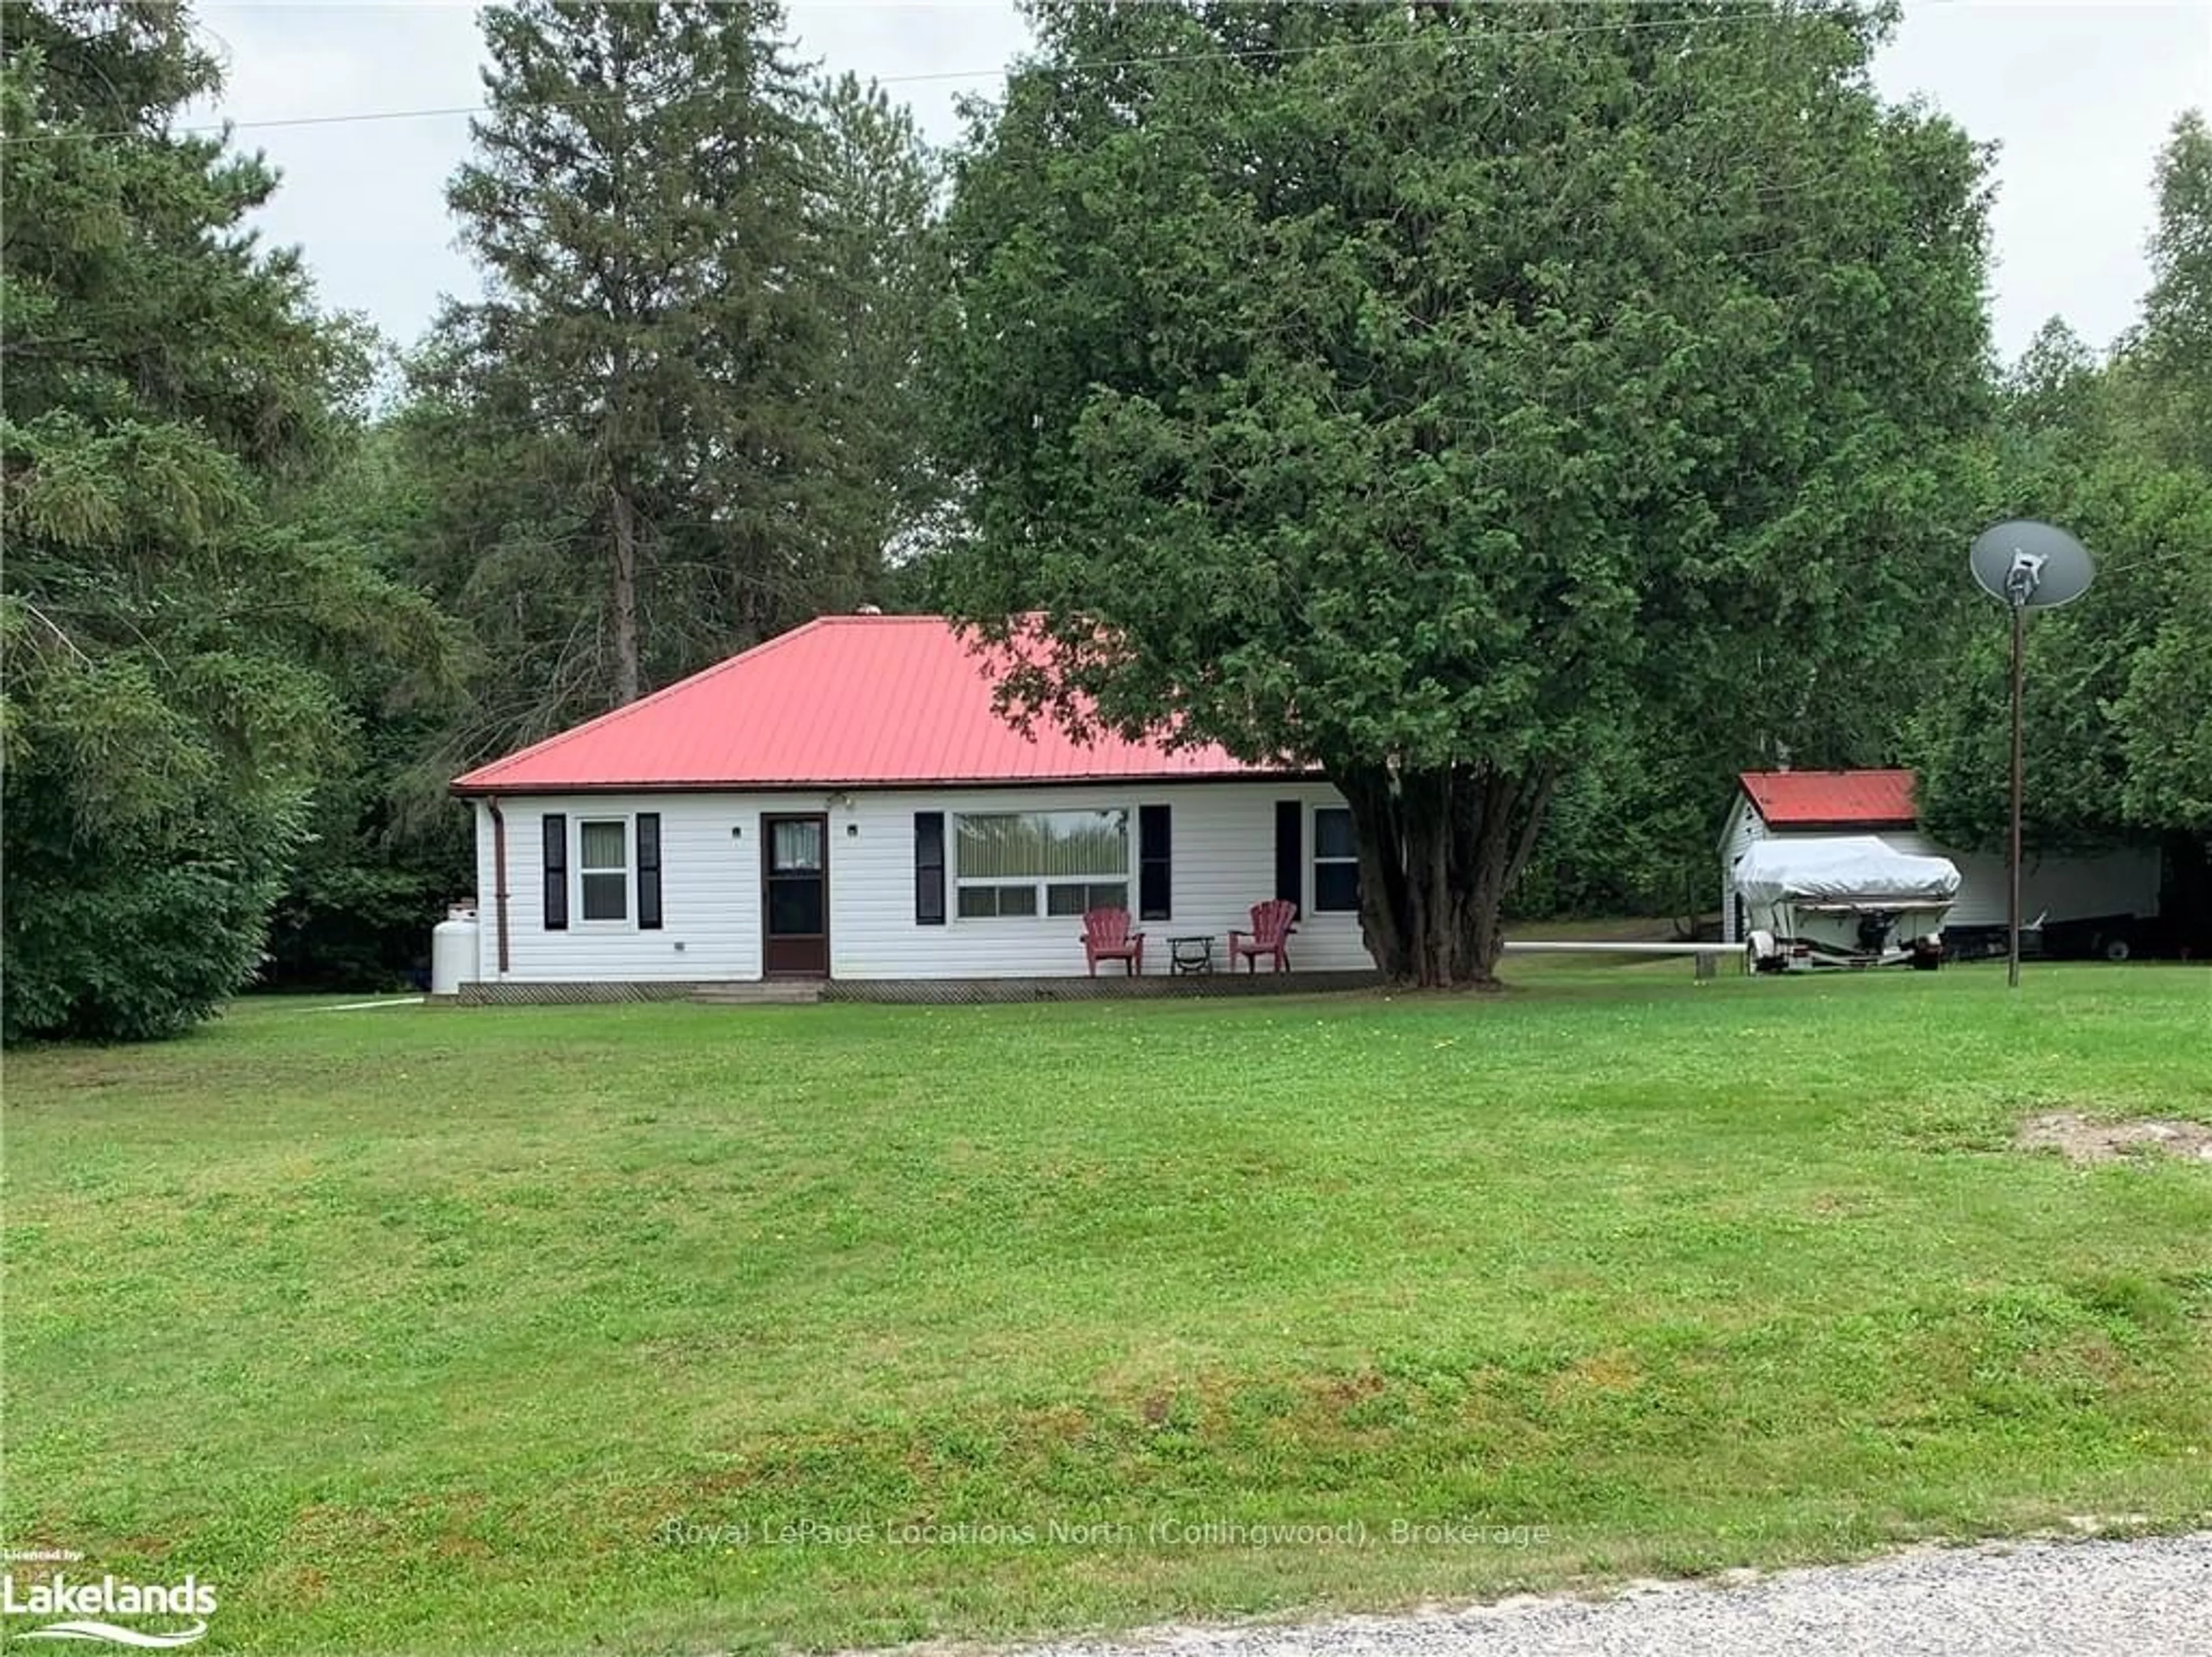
(556, 871)
(648, 871)
(929, 868)
(1289, 851)
(1155, 864)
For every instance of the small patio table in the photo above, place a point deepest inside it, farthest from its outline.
(1190, 954)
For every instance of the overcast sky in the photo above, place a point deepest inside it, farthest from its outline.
(2078, 96)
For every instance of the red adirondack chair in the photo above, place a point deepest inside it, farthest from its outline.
(1272, 926)
(1107, 937)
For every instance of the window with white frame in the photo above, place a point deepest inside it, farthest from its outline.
(1040, 862)
(603, 869)
(1335, 860)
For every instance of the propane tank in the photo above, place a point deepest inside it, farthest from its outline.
(453, 949)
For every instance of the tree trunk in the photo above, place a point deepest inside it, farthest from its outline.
(619, 435)
(626, 677)
(1438, 851)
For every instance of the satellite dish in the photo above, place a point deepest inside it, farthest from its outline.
(2031, 565)
(2026, 566)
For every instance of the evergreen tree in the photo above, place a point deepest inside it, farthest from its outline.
(2174, 343)
(171, 630)
(2118, 733)
(679, 422)
(881, 271)
(1447, 396)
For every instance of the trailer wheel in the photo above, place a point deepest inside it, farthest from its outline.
(2117, 949)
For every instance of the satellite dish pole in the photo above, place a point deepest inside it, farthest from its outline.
(2026, 566)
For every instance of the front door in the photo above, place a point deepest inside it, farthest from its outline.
(795, 897)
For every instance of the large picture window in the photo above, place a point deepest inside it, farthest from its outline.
(1040, 862)
(1336, 860)
(603, 870)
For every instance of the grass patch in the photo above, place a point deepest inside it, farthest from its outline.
(669, 1328)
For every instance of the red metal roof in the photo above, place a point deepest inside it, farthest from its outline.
(843, 700)
(1804, 799)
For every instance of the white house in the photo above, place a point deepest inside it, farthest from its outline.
(844, 803)
(2114, 885)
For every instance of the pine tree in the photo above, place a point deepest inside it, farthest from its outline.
(877, 187)
(170, 628)
(650, 457)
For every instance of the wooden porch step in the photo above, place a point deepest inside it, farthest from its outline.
(770, 992)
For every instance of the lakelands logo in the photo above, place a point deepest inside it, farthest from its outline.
(85, 1607)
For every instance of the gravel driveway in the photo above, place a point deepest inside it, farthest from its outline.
(2150, 1598)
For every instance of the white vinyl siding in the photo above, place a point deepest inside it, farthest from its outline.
(709, 884)
(1745, 826)
(1224, 863)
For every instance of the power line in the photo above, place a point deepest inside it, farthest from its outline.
(217, 129)
(2145, 560)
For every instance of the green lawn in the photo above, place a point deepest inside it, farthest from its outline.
(446, 1332)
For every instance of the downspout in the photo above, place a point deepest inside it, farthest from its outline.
(498, 879)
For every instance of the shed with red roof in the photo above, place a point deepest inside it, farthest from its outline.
(2113, 887)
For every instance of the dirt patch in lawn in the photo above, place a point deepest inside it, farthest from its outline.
(2081, 1139)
